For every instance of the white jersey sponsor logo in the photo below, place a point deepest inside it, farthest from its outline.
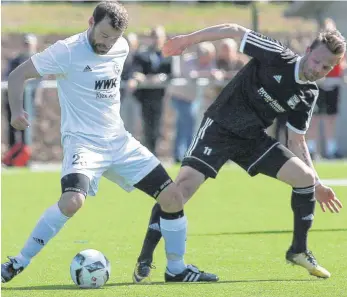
(272, 102)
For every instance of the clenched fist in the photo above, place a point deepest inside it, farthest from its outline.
(175, 46)
(20, 120)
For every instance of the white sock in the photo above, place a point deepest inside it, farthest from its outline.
(331, 147)
(174, 233)
(312, 146)
(47, 227)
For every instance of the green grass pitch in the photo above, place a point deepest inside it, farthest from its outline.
(239, 228)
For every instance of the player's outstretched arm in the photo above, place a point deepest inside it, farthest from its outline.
(16, 81)
(176, 45)
(324, 195)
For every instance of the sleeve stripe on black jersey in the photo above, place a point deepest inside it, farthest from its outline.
(264, 47)
(269, 42)
(265, 43)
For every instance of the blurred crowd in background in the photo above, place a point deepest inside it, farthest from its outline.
(148, 84)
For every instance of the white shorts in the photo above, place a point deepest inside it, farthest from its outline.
(122, 160)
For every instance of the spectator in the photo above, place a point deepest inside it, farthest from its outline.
(202, 64)
(129, 105)
(156, 69)
(19, 152)
(228, 59)
(29, 49)
(206, 62)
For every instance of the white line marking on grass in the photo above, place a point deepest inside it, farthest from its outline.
(335, 182)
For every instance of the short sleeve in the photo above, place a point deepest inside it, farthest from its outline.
(261, 47)
(53, 60)
(299, 120)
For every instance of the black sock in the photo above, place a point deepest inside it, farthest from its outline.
(152, 237)
(303, 205)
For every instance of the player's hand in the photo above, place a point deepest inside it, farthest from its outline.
(175, 46)
(157, 78)
(140, 77)
(327, 199)
(20, 120)
(217, 74)
(132, 85)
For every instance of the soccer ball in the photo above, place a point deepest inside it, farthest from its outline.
(90, 269)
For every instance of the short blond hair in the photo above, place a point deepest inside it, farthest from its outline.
(333, 40)
(231, 43)
(205, 48)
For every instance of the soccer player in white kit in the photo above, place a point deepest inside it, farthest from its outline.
(88, 66)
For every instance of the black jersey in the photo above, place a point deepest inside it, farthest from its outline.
(265, 88)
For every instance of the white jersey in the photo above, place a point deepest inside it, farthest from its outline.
(88, 85)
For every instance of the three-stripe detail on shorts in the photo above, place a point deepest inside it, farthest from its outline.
(199, 135)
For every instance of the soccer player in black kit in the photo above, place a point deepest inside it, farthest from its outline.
(276, 81)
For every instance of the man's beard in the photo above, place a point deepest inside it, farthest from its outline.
(99, 48)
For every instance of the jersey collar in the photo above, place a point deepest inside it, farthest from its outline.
(87, 41)
(296, 72)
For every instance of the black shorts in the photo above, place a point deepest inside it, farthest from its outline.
(327, 101)
(214, 145)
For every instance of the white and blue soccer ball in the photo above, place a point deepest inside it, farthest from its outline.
(90, 269)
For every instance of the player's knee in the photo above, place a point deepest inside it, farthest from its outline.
(305, 177)
(188, 181)
(185, 185)
(309, 176)
(70, 203)
(296, 173)
(170, 199)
